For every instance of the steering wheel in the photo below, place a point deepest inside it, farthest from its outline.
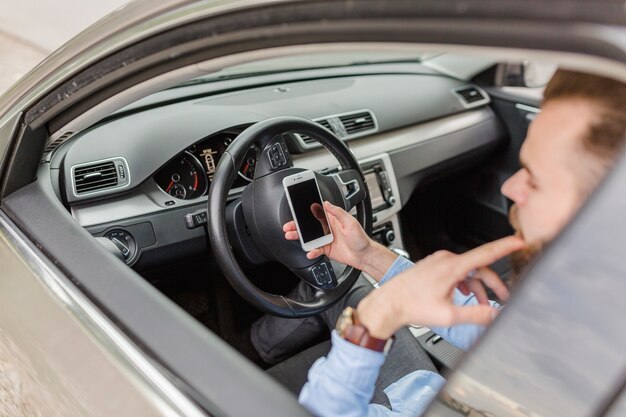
(252, 224)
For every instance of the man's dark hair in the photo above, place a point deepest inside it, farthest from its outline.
(607, 134)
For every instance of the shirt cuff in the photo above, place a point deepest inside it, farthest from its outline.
(343, 383)
(353, 365)
(463, 336)
(399, 265)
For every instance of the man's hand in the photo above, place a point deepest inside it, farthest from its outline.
(423, 294)
(350, 246)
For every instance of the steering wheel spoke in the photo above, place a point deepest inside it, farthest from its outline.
(320, 275)
(352, 186)
(241, 241)
(274, 157)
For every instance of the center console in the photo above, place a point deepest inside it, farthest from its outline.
(385, 196)
(379, 186)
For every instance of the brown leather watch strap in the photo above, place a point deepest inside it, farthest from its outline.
(357, 334)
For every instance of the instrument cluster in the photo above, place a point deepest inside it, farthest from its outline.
(189, 175)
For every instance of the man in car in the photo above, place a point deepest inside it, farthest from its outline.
(569, 147)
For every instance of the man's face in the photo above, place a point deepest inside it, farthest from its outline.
(549, 188)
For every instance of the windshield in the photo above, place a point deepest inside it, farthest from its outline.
(308, 61)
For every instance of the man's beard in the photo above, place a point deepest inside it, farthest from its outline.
(521, 258)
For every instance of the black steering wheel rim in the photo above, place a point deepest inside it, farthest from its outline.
(267, 133)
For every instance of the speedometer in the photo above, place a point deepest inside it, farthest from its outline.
(183, 177)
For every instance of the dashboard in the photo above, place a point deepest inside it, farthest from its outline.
(140, 175)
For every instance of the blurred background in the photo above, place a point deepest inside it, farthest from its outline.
(31, 29)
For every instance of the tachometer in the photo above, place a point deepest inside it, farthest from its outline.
(183, 177)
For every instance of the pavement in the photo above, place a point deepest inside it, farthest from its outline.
(31, 29)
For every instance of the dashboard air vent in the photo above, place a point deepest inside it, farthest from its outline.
(51, 146)
(346, 126)
(471, 96)
(324, 123)
(99, 176)
(55, 143)
(95, 177)
(357, 122)
(309, 140)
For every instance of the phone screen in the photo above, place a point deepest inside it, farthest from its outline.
(307, 207)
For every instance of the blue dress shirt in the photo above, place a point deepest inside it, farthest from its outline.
(342, 384)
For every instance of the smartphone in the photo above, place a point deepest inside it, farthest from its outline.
(305, 202)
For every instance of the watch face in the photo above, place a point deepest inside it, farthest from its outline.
(344, 320)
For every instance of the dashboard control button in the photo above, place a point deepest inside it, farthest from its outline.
(277, 156)
(196, 219)
(384, 181)
(322, 274)
(124, 241)
(122, 246)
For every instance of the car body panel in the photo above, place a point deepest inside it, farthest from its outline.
(55, 360)
(218, 373)
(8, 129)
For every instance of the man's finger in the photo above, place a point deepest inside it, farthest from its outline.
(289, 226)
(343, 217)
(493, 281)
(315, 253)
(318, 212)
(463, 288)
(291, 235)
(480, 314)
(487, 254)
(476, 287)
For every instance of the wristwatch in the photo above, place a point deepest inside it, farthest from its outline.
(349, 328)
